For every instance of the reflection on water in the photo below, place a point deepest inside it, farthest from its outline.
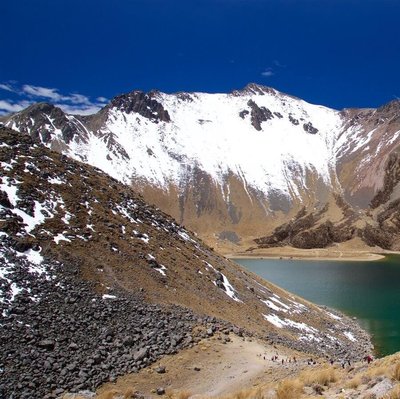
(369, 291)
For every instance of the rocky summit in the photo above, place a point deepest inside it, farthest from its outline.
(235, 166)
(95, 283)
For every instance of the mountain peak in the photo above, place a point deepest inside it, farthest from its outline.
(391, 106)
(42, 121)
(254, 88)
(44, 107)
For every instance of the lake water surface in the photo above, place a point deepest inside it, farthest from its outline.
(369, 291)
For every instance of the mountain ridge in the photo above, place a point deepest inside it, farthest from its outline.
(230, 165)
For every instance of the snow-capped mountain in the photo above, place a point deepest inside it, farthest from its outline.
(226, 164)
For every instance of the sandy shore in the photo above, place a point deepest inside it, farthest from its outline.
(309, 254)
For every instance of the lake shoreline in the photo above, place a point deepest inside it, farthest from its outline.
(286, 253)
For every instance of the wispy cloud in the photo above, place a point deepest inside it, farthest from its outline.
(7, 106)
(73, 103)
(44, 92)
(273, 70)
(268, 72)
(80, 109)
(7, 87)
(278, 64)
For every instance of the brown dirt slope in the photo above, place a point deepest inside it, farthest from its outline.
(243, 368)
(80, 215)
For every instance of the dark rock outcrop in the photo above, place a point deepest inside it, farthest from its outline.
(243, 113)
(306, 232)
(309, 128)
(41, 120)
(374, 236)
(259, 114)
(4, 201)
(144, 104)
(294, 121)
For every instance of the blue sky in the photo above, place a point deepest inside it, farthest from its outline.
(79, 54)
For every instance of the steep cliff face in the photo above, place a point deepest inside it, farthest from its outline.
(228, 165)
(386, 206)
(363, 149)
(377, 226)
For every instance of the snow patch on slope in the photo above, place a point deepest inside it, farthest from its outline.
(208, 134)
(281, 323)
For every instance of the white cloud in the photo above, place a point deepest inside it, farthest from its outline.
(77, 99)
(38, 91)
(7, 106)
(7, 87)
(268, 72)
(74, 103)
(80, 109)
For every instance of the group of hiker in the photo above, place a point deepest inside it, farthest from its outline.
(311, 361)
(288, 360)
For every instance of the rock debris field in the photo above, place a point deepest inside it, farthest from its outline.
(59, 335)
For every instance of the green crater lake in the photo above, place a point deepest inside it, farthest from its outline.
(369, 291)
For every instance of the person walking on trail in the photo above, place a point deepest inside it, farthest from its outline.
(368, 359)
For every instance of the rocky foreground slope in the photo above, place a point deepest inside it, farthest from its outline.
(95, 283)
(234, 166)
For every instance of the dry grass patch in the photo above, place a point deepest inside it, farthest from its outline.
(394, 393)
(388, 360)
(322, 376)
(378, 371)
(388, 369)
(396, 372)
(289, 389)
(358, 379)
(355, 382)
